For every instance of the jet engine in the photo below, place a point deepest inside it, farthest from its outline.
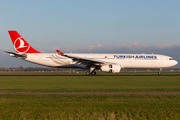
(112, 68)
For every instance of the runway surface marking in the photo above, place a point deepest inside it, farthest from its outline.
(90, 93)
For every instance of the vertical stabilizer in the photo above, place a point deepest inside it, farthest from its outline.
(20, 45)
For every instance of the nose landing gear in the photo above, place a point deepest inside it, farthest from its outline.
(159, 73)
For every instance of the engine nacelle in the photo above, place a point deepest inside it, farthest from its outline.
(113, 68)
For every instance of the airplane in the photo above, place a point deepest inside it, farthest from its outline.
(112, 63)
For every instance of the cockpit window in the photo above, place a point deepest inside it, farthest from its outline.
(170, 58)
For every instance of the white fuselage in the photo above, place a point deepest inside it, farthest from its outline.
(149, 61)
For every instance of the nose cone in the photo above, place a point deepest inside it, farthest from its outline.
(175, 62)
(168, 63)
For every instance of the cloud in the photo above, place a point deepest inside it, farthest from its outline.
(99, 48)
(136, 46)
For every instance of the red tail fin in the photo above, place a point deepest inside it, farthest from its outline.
(20, 45)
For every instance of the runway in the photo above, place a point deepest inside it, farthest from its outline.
(90, 93)
(94, 75)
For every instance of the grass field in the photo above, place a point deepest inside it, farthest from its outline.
(102, 107)
(90, 84)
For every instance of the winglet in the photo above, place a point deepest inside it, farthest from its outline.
(59, 52)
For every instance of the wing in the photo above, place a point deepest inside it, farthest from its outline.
(83, 60)
(21, 56)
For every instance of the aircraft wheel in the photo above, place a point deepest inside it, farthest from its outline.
(88, 73)
(159, 73)
(93, 73)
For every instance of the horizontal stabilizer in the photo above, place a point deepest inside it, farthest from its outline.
(21, 56)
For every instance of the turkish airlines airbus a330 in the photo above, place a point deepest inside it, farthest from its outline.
(105, 62)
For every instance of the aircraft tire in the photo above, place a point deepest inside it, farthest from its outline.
(88, 73)
(93, 73)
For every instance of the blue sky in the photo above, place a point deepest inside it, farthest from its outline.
(74, 25)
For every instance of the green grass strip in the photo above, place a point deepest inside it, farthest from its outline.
(62, 107)
(90, 84)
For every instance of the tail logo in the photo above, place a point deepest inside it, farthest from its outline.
(21, 45)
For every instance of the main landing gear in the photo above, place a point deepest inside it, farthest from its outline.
(92, 71)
